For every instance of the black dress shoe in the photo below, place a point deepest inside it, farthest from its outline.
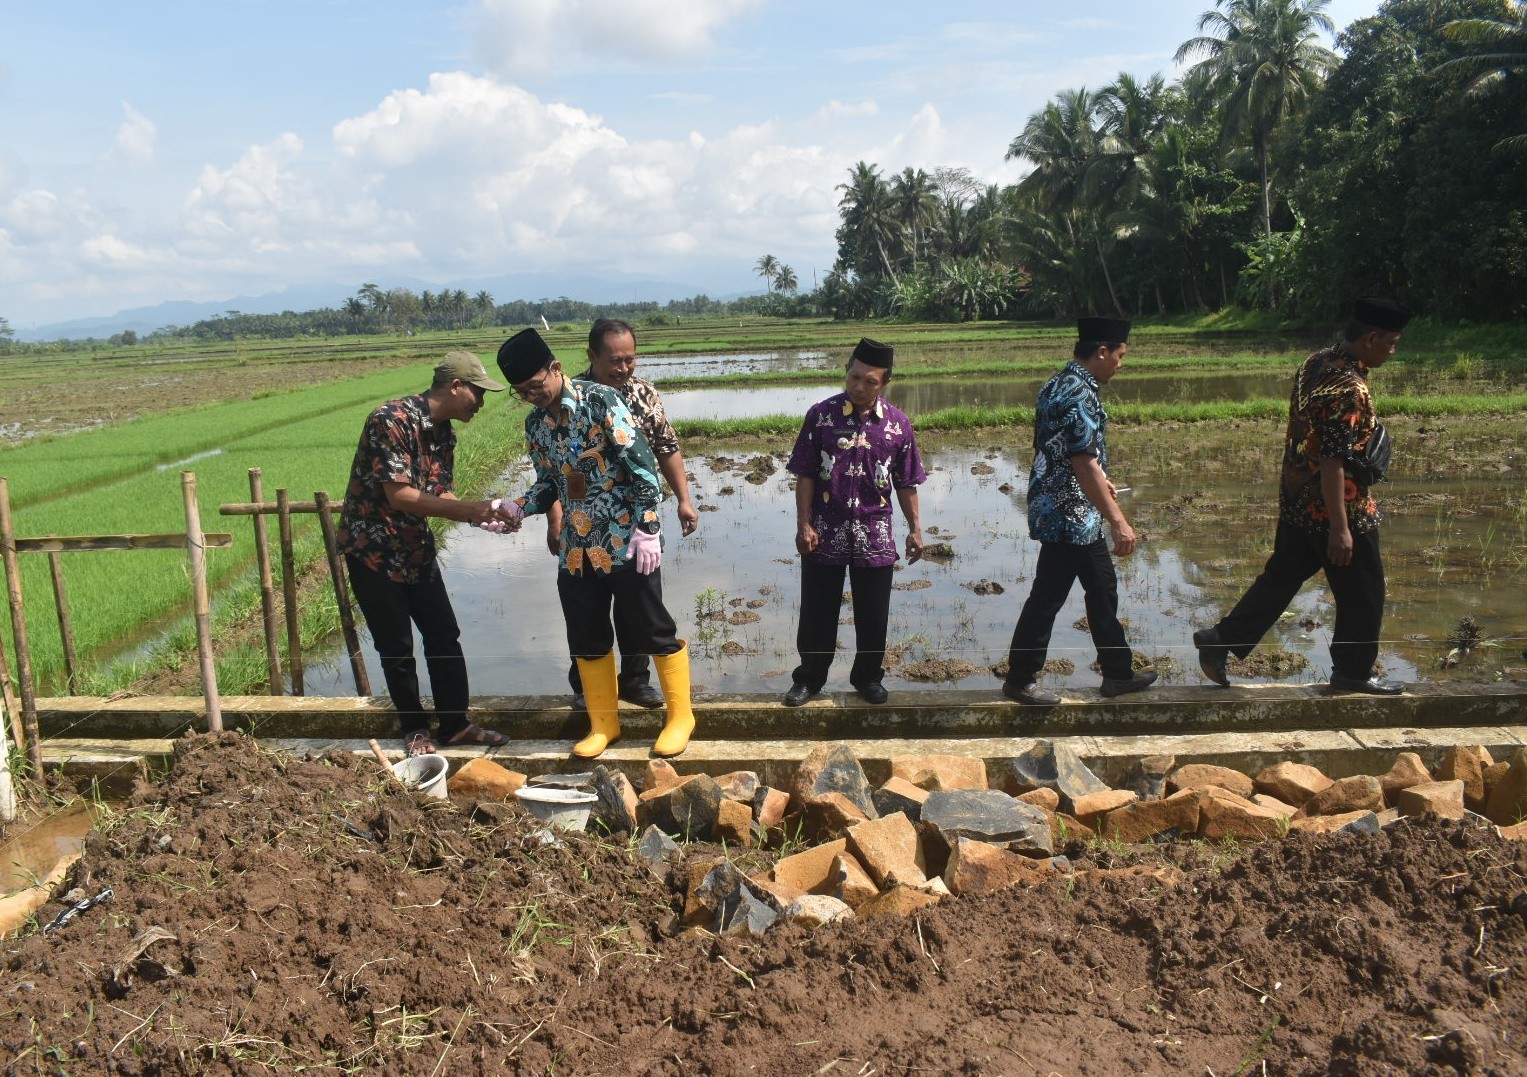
(798, 695)
(1212, 655)
(1373, 686)
(872, 693)
(1030, 695)
(643, 695)
(1122, 686)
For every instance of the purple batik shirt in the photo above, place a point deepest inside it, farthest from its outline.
(858, 461)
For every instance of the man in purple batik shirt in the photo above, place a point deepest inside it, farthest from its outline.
(854, 451)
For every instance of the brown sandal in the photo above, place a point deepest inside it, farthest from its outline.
(476, 734)
(418, 744)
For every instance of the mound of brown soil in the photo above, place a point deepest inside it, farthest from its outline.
(314, 915)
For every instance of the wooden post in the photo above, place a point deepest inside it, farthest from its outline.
(267, 589)
(289, 591)
(30, 739)
(342, 595)
(203, 605)
(65, 624)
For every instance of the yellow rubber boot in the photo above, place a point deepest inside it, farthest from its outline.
(673, 675)
(601, 698)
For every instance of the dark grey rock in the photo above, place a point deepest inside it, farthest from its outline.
(1147, 776)
(988, 815)
(833, 768)
(1050, 766)
(657, 846)
(1363, 824)
(889, 802)
(611, 812)
(739, 909)
(581, 780)
(686, 810)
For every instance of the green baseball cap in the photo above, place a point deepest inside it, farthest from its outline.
(468, 368)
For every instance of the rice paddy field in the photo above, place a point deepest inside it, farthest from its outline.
(93, 443)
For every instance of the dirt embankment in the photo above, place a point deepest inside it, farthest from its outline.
(308, 914)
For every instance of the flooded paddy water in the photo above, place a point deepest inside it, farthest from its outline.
(1454, 549)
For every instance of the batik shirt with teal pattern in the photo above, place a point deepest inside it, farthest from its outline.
(1069, 420)
(590, 441)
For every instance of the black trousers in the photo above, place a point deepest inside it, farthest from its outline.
(1060, 565)
(1357, 588)
(816, 638)
(638, 601)
(391, 610)
(635, 666)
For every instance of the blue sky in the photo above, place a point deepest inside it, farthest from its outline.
(161, 150)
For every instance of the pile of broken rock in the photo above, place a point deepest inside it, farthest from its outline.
(938, 828)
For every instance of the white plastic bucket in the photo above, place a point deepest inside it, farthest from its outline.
(565, 808)
(424, 772)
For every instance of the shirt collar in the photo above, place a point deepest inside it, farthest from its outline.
(419, 403)
(1092, 382)
(876, 412)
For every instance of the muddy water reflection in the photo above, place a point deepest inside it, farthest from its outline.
(1449, 552)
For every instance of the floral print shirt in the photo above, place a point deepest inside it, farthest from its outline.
(1069, 420)
(399, 443)
(589, 454)
(1330, 415)
(857, 461)
(647, 409)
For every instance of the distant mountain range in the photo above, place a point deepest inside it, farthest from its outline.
(511, 286)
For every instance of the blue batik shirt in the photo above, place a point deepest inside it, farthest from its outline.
(589, 454)
(1069, 420)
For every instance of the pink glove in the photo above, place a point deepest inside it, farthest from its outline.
(646, 550)
(509, 508)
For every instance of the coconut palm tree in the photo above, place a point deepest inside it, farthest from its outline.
(869, 220)
(1262, 61)
(915, 199)
(767, 267)
(1500, 46)
(784, 279)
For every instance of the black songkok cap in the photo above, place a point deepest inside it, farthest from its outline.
(523, 356)
(1107, 330)
(873, 353)
(1381, 313)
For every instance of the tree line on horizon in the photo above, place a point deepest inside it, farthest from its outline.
(1275, 175)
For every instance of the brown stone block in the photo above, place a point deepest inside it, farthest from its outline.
(1408, 770)
(1065, 828)
(808, 871)
(1330, 824)
(1146, 820)
(734, 823)
(695, 911)
(480, 778)
(1516, 832)
(1048, 799)
(660, 775)
(739, 785)
(828, 814)
(978, 867)
(1288, 811)
(1092, 807)
(769, 807)
(940, 772)
(1291, 783)
(898, 901)
(889, 850)
(1466, 763)
(1205, 775)
(1506, 802)
(1444, 798)
(855, 885)
(1361, 792)
(1222, 814)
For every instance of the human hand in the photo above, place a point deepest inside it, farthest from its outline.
(553, 539)
(1124, 540)
(689, 517)
(914, 547)
(646, 551)
(806, 539)
(1339, 547)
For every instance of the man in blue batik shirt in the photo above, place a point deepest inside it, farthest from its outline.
(1070, 499)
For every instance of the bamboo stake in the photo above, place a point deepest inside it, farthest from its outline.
(289, 591)
(203, 604)
(267, 588)
(32, 739)
(265, 508)
(210, 540)
(342, 595)
(65, 624)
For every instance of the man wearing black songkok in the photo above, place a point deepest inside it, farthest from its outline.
(1327, 518)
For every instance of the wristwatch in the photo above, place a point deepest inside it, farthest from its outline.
(649, 527)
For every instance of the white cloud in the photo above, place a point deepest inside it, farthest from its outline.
(135, 138)
(838, 110)
(517, 39)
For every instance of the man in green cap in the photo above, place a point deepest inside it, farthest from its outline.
(402, 475)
